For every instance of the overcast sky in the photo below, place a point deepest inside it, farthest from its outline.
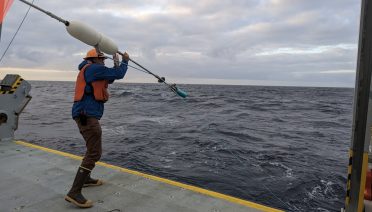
(249, 42)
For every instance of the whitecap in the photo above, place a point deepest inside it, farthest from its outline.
(288, 171)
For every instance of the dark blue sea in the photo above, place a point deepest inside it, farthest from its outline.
(284, 147)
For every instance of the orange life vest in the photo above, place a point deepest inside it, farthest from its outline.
(99, 87)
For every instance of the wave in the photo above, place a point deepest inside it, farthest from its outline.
(219, 136)
(239, 135)
(126, 93)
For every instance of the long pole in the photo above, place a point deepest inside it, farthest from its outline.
(46, 12)
(172, 87)
(145, 69)
(362, 115)
(78, 36)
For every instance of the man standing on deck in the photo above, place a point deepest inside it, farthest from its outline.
(90, 95)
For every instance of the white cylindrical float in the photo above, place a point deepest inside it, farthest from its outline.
(84, 33)
(90, 36)
(107, 46)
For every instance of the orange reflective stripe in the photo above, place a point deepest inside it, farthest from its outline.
(99, 87)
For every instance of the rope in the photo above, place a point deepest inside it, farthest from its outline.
(131, 66)
(15, 34)
(138, 69)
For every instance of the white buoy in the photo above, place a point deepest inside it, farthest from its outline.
(107, 46)
(90, 36)
(84, 33)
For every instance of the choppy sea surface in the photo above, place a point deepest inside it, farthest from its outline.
(284, 147)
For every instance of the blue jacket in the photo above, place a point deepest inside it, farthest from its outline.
(88, 105)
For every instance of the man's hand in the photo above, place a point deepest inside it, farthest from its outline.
(125, 57)
(116, 60)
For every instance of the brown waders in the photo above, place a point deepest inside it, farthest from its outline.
(91, 131)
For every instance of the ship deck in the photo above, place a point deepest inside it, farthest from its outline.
(34, 178)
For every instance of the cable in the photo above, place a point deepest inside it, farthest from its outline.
(130, 66)
(15, 34)
(137, 69)
(173, 87)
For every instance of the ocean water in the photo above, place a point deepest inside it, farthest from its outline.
(284, 147)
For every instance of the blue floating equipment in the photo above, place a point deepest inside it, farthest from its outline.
(181, 93)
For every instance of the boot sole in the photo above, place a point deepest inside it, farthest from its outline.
(99, 182)
(88, 204)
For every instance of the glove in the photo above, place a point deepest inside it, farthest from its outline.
(125, 57)
(116, 60)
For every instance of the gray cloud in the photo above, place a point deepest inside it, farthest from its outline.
(294, 41)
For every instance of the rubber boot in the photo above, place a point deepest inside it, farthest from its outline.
(92, 182)
(74, 195)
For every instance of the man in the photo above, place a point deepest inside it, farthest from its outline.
(90, 95)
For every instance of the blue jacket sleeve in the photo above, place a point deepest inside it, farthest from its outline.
(101, 72)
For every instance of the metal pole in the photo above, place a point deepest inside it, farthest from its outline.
(362, 116)
(172, 87)
(46, 12)
(145, 69)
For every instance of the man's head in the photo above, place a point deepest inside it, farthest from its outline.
(95, 57)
